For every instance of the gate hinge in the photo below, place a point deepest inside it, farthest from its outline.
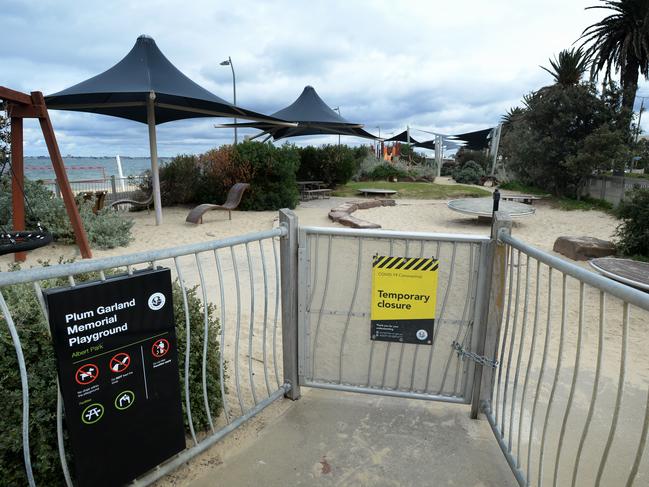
(481, 359)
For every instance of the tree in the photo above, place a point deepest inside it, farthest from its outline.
(563, 134)
(620, 42)
(4, 136)
(569, 67)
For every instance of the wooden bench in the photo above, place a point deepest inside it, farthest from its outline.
(528, 199)
(310, 194)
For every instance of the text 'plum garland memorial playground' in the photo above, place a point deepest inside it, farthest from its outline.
(117, 355)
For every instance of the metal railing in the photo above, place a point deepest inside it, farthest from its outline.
(115, 187)
(240, 276)
(569, 403)
(334, 285)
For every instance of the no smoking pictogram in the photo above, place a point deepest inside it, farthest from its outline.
(120, 362)
(160, 348)
(86, 374)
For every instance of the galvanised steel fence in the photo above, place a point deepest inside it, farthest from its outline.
(241, 277)
(334, 294)
(554, 355)
(569, 402)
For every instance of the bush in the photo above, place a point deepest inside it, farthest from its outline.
(207, 178)
(272, 182)
(333, 164)
(41, 365)
(179, 180)
(478, 156)
(387, 171)
(469, 173)
(106, 230)
(633, 233)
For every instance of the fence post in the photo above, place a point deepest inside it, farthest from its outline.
(492, 312)
(113, 187)
(288, 248)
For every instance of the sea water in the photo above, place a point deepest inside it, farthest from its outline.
(79, 168)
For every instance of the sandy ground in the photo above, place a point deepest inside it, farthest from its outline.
(243, 350)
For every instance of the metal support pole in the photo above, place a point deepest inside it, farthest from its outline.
(495, 143)
(113, 185)
(492, 311)
(438, 154)
(17, 181)
(153, 146)
(289, 258)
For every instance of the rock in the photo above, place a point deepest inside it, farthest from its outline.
(583, 248)
(337, 215)
(350, 221)
(348, 207)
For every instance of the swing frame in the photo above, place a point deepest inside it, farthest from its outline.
(21, 106)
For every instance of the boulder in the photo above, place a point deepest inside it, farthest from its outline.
(337, 215)
(583, 248)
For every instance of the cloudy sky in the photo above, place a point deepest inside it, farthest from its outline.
(449, 66)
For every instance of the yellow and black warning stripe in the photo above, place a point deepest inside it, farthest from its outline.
(406, 263)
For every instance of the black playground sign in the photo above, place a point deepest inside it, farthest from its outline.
(117, 357)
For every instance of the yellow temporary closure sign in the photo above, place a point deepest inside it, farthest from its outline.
(404, 292)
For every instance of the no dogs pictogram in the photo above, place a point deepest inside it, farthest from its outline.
(120, 362)
(160, 348)
(86, 374)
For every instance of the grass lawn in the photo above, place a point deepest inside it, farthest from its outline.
(424, 191)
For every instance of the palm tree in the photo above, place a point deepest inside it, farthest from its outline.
(569, 67)
(620, 42)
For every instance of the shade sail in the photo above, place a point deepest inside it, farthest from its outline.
(402, 137)
(145, 87)
(477, 140)
(312, 116)
(122, 91)
(427, 144)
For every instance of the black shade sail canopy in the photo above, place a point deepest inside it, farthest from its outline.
(123, 91)
(145, 87)
(477, 140)
(402, 137)
(312, 116)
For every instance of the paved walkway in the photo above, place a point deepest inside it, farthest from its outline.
(336, 439)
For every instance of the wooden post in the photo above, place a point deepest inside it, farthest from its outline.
(493, 312)
(17, 180)
(61, 176)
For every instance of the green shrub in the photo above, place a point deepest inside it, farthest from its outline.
(179, 180)
(478, 156)
(333, 164)
(106, 230)
(387, 171)
(469, 173)
(272, 169)
(41, 366)
(633, 233)
(207, 178)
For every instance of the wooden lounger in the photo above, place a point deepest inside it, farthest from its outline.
(231, 203)
(125, 201)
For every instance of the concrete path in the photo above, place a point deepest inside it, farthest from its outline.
(337, 439)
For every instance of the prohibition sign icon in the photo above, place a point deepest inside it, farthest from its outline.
(160, 348)
(86, 374)
(120, 362)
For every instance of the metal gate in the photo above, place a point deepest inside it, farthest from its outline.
(334, 285)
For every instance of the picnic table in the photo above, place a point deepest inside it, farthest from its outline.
(528, 199)
(312, 189)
